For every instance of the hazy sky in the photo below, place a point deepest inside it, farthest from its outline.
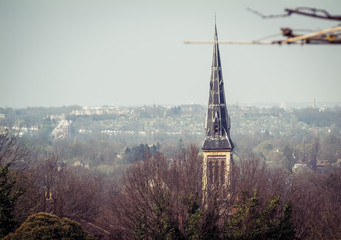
(124, 52)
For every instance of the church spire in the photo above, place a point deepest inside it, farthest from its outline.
(217, 119)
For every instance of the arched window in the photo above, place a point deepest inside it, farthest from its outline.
(210, 173)
(216, 173)
(222, 173)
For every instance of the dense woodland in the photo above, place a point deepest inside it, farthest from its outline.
(130, 188)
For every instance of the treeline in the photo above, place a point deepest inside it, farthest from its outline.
(162, 198)
(319, 118)
(98, 152)
(283, 152)
(140, 152)
(30, 184)
(31, 116)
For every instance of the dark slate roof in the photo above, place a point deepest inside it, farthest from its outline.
(217, 119)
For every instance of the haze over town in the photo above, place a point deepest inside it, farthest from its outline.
(94, 53)
(105, 132)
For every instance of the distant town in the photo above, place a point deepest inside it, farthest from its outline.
(150, 122)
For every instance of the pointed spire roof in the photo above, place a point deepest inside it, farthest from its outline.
(217, 119)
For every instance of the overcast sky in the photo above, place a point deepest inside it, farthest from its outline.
(124, 52)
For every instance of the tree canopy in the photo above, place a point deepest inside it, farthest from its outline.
(47, 226)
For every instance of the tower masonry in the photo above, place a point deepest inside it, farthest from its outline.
(218, 146)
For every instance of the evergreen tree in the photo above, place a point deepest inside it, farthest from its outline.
(7, 200)
(49, 227)
(253, 221)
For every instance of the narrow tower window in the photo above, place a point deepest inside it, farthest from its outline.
(216, 173)
(222, 174)
(210, 173)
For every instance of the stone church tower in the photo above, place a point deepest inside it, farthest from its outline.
(217, 147)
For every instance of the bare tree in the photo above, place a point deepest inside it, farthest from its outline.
(48, 175)
(160, 198)
(39, 183)
(316, 199)
(67, 192)
(78, 195)
(12, 151)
